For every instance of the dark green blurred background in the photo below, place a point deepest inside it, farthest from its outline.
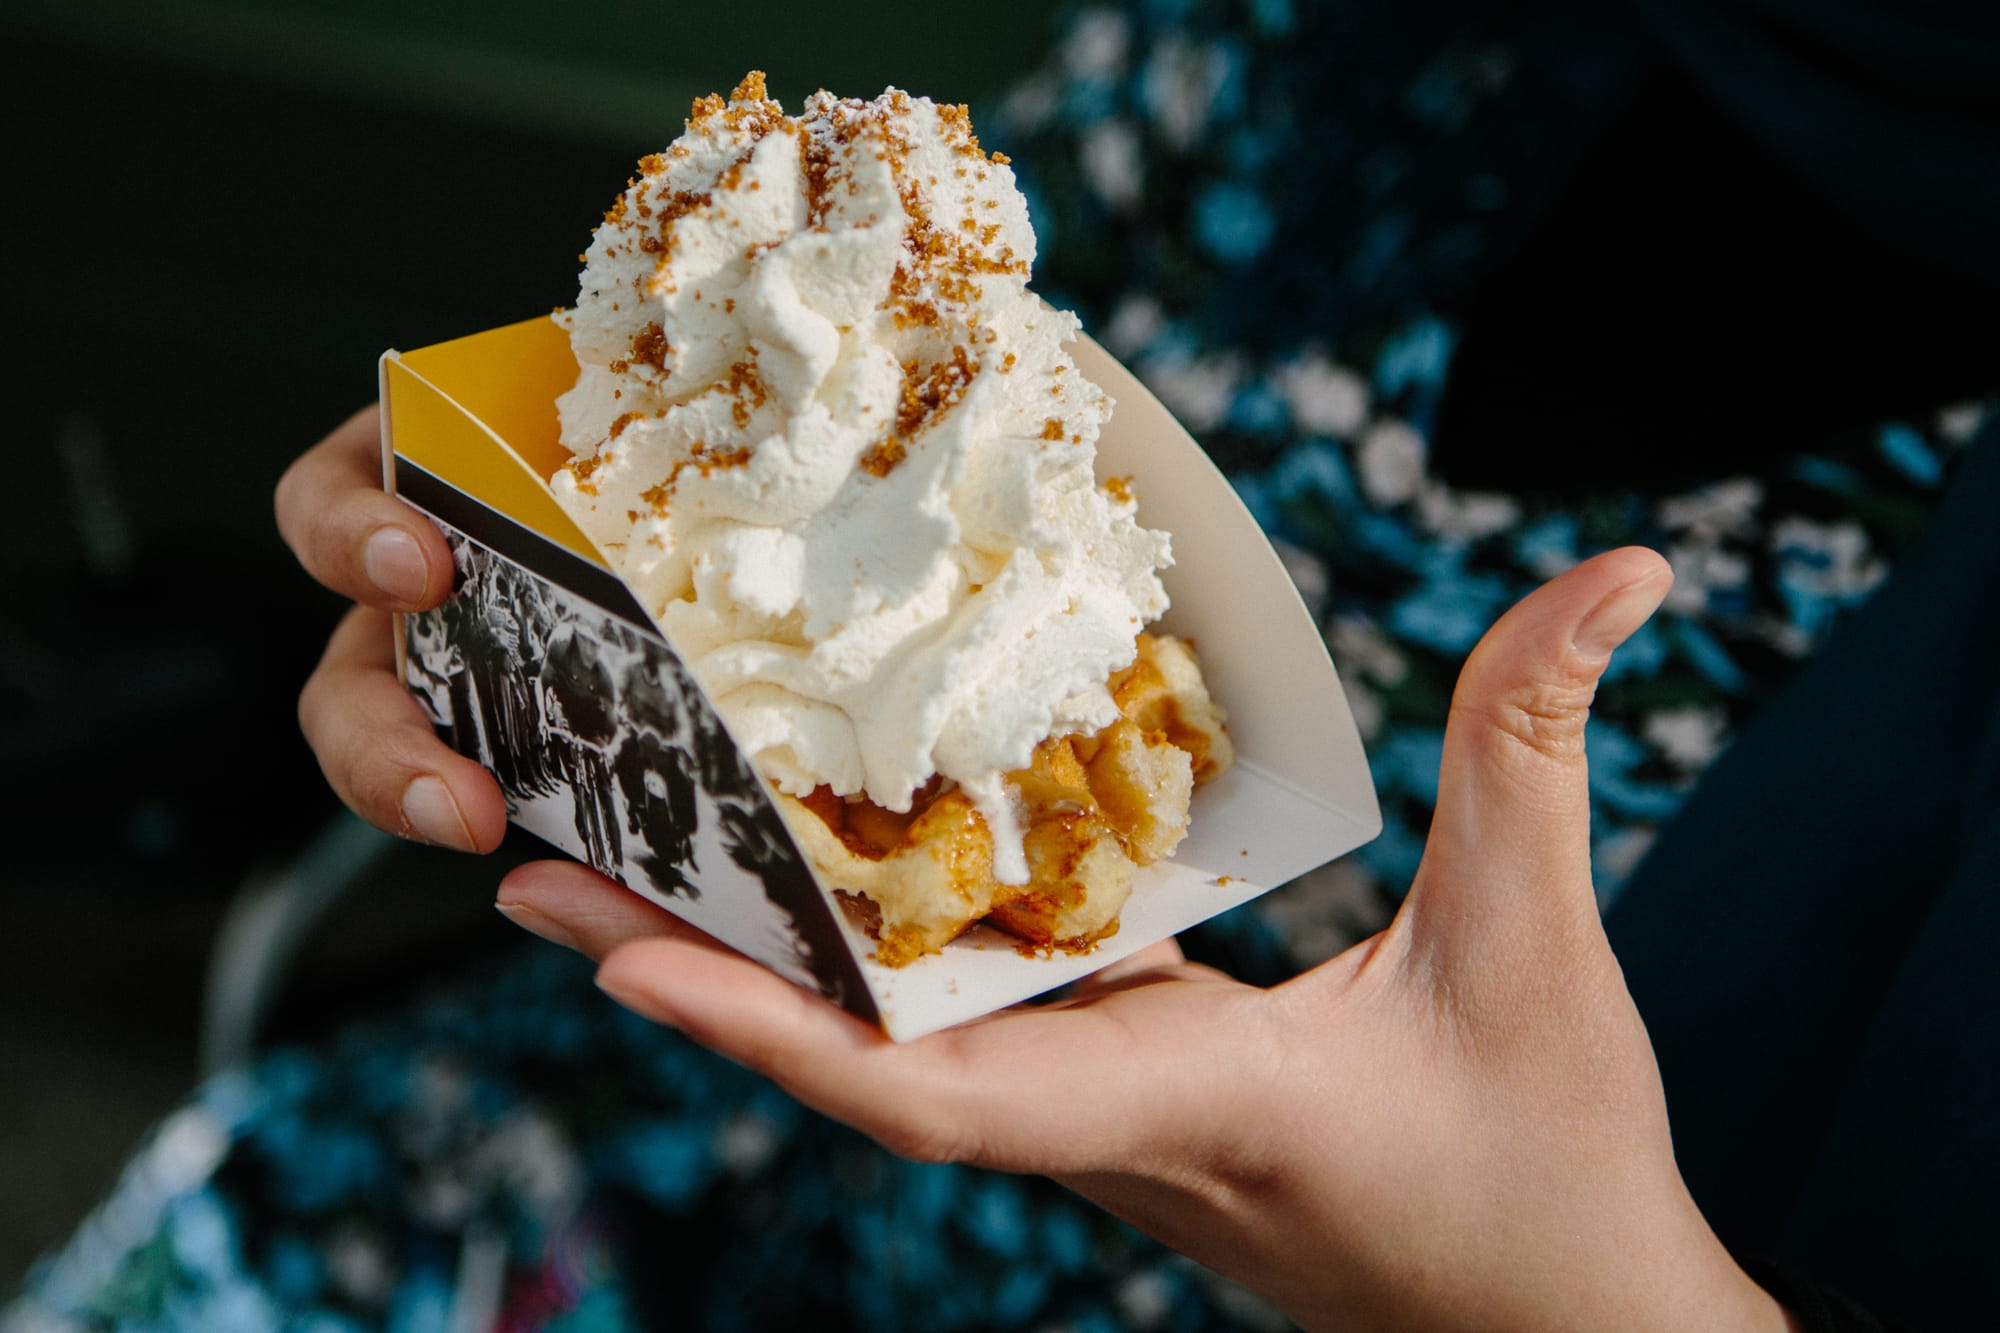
(220, 214)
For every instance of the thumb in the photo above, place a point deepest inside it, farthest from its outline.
(1506, 871)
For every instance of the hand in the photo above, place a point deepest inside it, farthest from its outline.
(1455, 1124)
(373, 742)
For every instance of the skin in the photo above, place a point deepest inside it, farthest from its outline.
(1458, 1123)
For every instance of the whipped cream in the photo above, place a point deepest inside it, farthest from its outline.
(836, 446)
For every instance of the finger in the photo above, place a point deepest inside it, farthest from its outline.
(353, 536)
(570, 904)
(380, 753)
(1119, 1075)
(824, 1056)
(1508, 858)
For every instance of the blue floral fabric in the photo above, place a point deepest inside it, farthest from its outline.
(517, 1152)
(1269, 209)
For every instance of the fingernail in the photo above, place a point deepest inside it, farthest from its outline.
(431, 814)
(1612, 620)
(395, 564)
(538, 923)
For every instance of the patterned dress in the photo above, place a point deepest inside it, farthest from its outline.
(1275, 214)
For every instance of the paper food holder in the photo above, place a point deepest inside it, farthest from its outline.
(545, 668)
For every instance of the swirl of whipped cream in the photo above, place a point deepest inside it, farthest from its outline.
(828, 435)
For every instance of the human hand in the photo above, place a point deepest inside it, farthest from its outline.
(1455, 1124)
(373, 741)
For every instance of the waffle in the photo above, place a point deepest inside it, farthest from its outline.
(1095, 808)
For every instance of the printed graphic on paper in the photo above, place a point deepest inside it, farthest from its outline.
(604, 746)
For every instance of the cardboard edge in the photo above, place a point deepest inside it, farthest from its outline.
(384, 428)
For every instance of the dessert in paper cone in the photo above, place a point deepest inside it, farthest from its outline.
(706, 750)
(841, 453)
